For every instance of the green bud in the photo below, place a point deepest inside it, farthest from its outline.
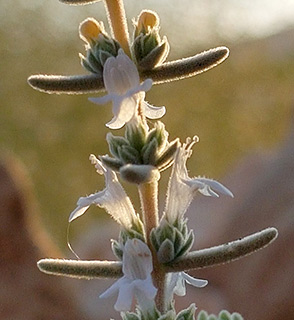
(99, 45)
(148, 48)
(224, 315)
(202, 315)
(166, 251)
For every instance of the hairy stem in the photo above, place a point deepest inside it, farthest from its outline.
(118, 22)
(149, 201)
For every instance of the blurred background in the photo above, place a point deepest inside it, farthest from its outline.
(242, 108)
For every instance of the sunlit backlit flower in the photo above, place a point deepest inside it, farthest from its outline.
(137, 280)
(122, 82)
(113, 198)
(182, 188)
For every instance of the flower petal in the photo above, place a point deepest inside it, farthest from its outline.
(137, 260)
(125, 297)
(215, 185)
(77, 212)
(199, 283)
(113, 198)
(153, 112)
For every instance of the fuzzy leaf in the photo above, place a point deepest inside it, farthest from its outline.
(66, 84)
(188, 67)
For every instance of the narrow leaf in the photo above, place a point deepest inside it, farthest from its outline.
(224, 253)
(66, 84)
(81, 269)
(187, 67)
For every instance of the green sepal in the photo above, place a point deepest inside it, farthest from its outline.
(136, 135)
(166, 251)
(167, 157)
(93, 62)
(112, 163)
(170, 315)
(114, 142)
(155, 57)
(116, 249)
(128, 154)
(187, 246)
(149, 152)
(103, 56)
(130, 316)
(187, 314)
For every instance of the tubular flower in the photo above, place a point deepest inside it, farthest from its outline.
(137, 280)
(176, 284)
(113, 198)
(122, 82)
(182, 188)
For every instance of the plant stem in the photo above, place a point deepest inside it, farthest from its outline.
(148, 196)
(149, 202)
(117, 19)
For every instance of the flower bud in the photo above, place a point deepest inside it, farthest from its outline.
(147, 20)
(99, 46)
(90, 29)
(148, 48)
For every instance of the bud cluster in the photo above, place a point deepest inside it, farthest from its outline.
(171, 241)
(141, 153)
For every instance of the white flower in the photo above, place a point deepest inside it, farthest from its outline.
(137, 281)
(122, 82)
(113, 198)
(182, 278)
(182, 188)
(176, 284)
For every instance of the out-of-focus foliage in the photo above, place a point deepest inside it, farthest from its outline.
(243, 104)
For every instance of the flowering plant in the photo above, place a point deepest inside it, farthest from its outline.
(153, 248)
